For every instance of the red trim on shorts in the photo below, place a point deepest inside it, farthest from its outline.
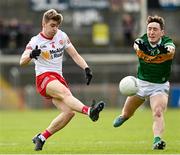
(43, 79)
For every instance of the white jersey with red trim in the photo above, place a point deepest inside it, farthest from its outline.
(52, 50)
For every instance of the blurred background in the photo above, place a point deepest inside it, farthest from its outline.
(101, 30)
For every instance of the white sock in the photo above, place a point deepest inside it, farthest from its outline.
(42, 137)
(89, 111)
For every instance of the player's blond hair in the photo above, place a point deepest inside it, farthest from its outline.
(156, 19)
(52, 14)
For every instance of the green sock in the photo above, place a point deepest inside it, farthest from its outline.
(156, 139)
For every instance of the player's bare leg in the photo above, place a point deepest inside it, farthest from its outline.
(57, 124)
(62, 119)
(130, 106)
(59, 91)
(158, 105)
(66, 102)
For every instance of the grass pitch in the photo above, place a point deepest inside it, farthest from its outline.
(82, 136)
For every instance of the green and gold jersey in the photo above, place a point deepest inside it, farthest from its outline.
(155, 67)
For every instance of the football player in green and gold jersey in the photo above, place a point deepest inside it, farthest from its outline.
(155, 52)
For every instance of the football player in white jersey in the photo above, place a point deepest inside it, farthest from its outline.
(46, 50)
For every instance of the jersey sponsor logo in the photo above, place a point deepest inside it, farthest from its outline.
(43, 46)
(57, 53)
(61, 42)
(52, 53)
(46, 55)
(160, 58)
(58, 50)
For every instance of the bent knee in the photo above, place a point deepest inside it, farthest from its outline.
(62, 94)
(158, 112)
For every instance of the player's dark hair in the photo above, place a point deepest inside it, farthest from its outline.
(156, 19)
(52, 14)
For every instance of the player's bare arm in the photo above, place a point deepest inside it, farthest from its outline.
(81, 62)
(25, 59)
(76, 57)
(30, 54)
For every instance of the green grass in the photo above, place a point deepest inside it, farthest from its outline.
(81, 136)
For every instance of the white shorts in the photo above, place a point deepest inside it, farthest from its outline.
(147, 89)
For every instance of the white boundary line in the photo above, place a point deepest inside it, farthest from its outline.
(94, 154)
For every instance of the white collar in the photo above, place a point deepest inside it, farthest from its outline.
(159, 42)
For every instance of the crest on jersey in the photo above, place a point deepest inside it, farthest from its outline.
(61, 42)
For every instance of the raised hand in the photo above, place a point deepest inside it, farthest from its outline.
(162, 49)
(143, 47)
(35, 53)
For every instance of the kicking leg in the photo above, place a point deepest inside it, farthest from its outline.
(59, 91)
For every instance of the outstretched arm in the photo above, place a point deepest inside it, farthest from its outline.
(167, 49)
(81, 62)
(78, 59)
